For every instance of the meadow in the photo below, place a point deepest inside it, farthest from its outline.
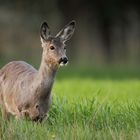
(87, 105)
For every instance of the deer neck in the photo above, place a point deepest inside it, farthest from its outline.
(44, 79)
(46, 71)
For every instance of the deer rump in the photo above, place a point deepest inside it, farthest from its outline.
(17, 92)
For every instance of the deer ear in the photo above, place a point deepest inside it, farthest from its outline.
(44, 31)
(67, 32)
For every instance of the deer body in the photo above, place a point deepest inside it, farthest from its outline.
(25, 91)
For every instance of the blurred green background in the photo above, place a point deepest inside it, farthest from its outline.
(107, 32)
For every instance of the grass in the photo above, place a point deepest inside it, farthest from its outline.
(86, 107)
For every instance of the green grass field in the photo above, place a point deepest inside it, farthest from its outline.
(87, 105)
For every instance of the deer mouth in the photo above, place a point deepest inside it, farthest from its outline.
(63, 64)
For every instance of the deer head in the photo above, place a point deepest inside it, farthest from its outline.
(54, 48)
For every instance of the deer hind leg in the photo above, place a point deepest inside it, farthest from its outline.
(5, 114)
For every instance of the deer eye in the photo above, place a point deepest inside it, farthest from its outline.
(52, 47)
(64, 48)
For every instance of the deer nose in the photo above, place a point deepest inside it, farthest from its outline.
(63, 60)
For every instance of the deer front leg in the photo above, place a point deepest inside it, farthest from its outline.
(5, 114)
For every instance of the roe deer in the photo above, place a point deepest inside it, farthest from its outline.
(26, 92)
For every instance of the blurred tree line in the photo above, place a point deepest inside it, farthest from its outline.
(107, 31)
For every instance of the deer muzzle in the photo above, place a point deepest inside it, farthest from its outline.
(63, 61)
